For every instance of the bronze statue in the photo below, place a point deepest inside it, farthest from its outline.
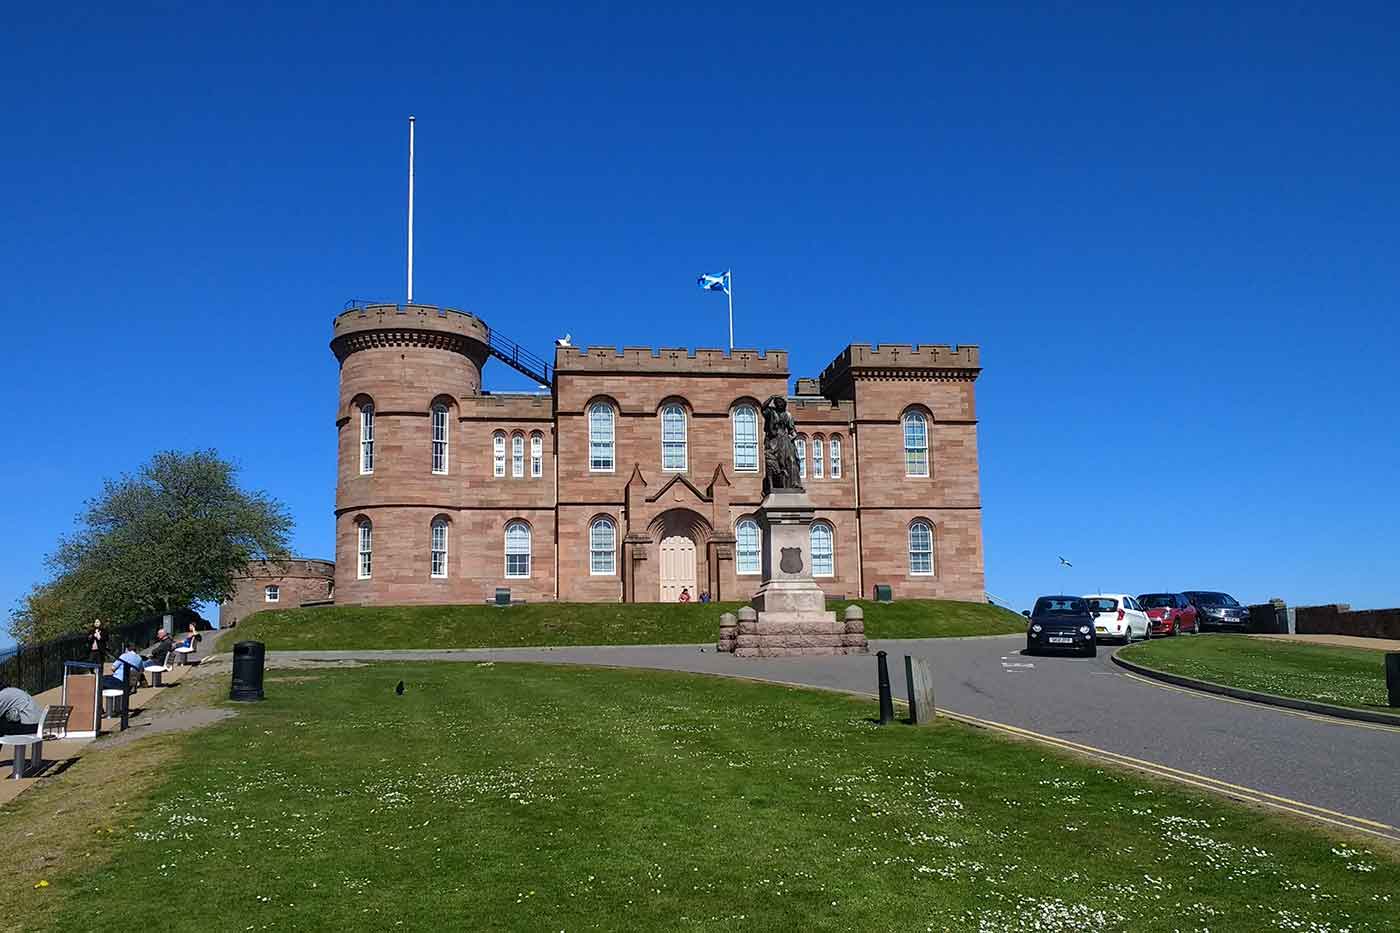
(780, 468)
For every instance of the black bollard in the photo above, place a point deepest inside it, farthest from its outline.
(886, 704)
(1392, 677)
(126, 692)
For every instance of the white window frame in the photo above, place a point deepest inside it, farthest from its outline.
(818, 457)
(835, 444)
(743, 553)
(517, 455)
(498, 453)
(518, 551)
(437, 549)
(918, 551)
(602, 435)
(673, 444)
(366, 439)
(536, 455)
(602, 556)
(915, 427)
(801, 456)
(744, 423)
(272, 593)
(440, 439)
(829, 555)
(364, 566)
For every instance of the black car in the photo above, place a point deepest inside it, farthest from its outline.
(1061, 623)
(1217, 610)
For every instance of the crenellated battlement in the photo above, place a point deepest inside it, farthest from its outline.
(898, 361)
(388, 325)
(670, 360)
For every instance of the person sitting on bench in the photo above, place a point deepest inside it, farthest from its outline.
(128, 658)
(160, 649)
(19, 714)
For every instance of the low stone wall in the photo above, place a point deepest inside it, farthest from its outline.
(1339, 619)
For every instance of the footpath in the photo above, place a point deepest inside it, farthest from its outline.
(1341, 641)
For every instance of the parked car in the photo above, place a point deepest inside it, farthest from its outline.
(1118, 615)
(1218, 610)
(1169, 613)
(1061, 623)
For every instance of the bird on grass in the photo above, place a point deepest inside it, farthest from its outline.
(399, 689)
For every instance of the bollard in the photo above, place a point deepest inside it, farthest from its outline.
(886, 704)
(1392, 677)
(126, 693)
(919, 680)
(247, 681)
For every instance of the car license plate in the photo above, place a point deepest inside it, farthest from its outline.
(1057, 640)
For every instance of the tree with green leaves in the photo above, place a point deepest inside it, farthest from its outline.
(176, 533)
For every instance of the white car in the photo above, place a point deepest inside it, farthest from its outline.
(1118, 616)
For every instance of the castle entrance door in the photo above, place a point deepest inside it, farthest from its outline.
(677, 568)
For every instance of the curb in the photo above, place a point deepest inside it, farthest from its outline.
(1268, 699)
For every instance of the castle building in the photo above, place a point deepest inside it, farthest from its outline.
(278, 584)
(637, 475)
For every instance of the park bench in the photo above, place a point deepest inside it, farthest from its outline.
(156, 670)
(52, 725)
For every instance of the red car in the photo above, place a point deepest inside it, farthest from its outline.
(1169, 613)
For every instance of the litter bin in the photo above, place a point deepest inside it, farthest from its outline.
(884, 593)
(248, 657)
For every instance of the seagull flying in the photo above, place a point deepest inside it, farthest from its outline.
(1065, 562)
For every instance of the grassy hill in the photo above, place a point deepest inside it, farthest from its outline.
(363, 627)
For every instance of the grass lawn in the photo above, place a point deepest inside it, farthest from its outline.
(503, 797)
(1342, 676)
(361, 627)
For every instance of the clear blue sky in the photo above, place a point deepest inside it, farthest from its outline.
(1173, 232)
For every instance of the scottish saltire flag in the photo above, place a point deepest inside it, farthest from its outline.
(714, 283)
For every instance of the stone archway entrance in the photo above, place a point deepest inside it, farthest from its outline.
(677, 568)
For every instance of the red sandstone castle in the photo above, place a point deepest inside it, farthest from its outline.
(637, 475)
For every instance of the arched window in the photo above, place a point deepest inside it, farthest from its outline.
(823, 550)
(745, 439)
(835, 457)
(600, 438)
(746, 533)
(438, 563)
(536, 455)
(602, 547)
(802, 456)
(915, 444)
(439, 438)
(517, 550)
(517, 455)
(367, 438)
(498, 453)
(366, 536)
(920, 548)
(818, 461)
(673, 439)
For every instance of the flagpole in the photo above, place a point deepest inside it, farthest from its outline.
(410, 209)
(729, 292)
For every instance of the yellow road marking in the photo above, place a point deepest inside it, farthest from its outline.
(1304, 714)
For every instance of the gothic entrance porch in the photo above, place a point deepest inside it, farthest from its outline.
(681, 536)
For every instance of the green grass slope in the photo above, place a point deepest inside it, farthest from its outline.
(1343, 676)
(555, 624)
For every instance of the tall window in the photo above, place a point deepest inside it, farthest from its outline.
(439, 438)
(439, 548)
(600, 438)
(498, 453)
(835, 457)
(745, 439)
(823, 553)
(517, 550)
(272, 593)
(801, 456)
(673, 440)
(367, 438)
(602, 547)
(818, 464)
(536, 455)
(920, 548)
(517, 455)
(746, 534)
(915, 444)
(366, 550)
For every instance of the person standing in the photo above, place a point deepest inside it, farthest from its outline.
(97, 643)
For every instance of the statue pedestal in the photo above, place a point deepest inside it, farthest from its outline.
(789, 615)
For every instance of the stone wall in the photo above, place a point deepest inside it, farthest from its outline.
(1340, 619)
(298, 580)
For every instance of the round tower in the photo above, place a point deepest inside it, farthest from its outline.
(402, 371)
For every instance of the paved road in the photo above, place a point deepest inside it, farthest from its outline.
(1313, 765)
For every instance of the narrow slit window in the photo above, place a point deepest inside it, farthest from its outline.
(366, 438)
(366, 550)
(439, 438)
(836, 458)
(536, 455)
(438, 562)
(498, 452)
(517, 456)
